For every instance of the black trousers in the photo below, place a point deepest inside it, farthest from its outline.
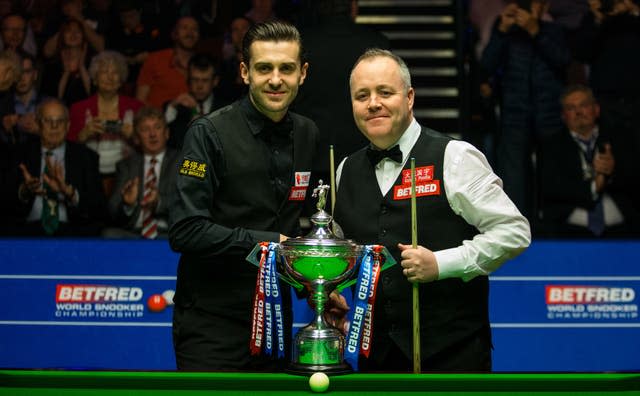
(204, 341)
(470, 355)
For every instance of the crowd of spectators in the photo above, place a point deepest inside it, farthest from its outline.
(95, 98)
(551, 73)
(99, 63)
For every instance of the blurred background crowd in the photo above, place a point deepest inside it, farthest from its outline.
(96, 97)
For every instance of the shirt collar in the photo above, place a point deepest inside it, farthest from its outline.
(58, 152)
(255, 119)
(594, 136)
(31, 103)
(207, 104)
(158, 157)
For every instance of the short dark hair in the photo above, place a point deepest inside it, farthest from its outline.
(202, 62)
(147, 112)
(571, 89)
(270, 31)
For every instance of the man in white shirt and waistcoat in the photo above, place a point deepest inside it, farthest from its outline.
(466, 225)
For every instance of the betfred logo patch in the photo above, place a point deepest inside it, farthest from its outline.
(298, 193)
(423, 174)
(193, 168)
(422, 190)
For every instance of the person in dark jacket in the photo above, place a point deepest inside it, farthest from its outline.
(529, 56)
(608, 40)
(59, 191)
(243, 177)
(586, 175)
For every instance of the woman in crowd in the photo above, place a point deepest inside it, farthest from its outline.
(66, 76)
(104, 121)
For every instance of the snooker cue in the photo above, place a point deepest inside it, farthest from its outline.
(415, 290)
(332, 179)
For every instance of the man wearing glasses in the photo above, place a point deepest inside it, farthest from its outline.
(59, 192)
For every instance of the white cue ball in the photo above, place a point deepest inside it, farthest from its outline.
(319, 382)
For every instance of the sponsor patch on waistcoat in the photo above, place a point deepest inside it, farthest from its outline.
(299, 190)
(425, 185)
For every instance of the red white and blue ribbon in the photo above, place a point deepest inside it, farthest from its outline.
(268, 323)
(360, 317)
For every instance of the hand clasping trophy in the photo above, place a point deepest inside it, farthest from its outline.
(320, 262)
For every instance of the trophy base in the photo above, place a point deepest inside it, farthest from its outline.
(308, 369)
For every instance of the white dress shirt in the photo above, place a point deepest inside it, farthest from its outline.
(475, 193)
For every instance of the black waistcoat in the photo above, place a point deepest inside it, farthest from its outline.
(246, 197)
(450, 309)
(224, 283)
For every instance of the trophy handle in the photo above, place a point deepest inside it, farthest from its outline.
(387, 259)
(254, 259)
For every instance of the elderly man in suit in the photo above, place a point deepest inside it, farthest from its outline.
(139, 204)
(59, 191)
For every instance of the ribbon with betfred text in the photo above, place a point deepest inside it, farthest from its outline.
(257, 324)
(363, 303)
(268, 323)
(367, 331)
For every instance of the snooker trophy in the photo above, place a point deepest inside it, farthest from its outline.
(321, 262)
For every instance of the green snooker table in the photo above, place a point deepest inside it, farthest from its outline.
(107, 383)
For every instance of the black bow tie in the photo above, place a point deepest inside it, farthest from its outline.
(375, 156)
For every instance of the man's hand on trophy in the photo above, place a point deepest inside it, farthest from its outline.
(419, 264)
(336, 311)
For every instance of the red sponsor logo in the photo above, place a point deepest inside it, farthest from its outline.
(96, 293)
(422, 189)
(298, 193)
(574, 294)
(302, 179)
(423, 174)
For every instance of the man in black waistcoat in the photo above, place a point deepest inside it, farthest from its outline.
(467, 226)
(242, 179)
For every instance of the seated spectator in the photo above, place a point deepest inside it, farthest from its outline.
(133, 39)
(59, 192)
(27, 98)
(16, 35)
(140, 202)
(10, 72)
(163, 74)
(585, 175)
(66, 77)
(73, 9)
(200, 100)
(104, 121)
